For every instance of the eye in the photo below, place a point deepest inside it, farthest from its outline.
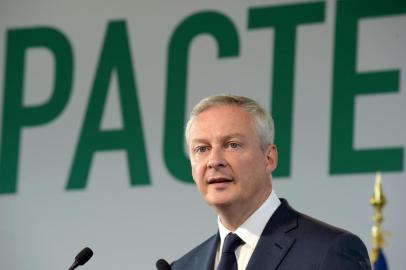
(234, 145)
(201, 149)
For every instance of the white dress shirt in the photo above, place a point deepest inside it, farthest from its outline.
(250, 231)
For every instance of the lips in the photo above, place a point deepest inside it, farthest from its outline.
(219, 180)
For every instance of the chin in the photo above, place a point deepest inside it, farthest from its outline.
(219, 202)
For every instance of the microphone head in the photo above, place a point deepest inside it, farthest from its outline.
(161, 264)
(84, 256)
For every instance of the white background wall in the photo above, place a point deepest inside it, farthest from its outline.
(43, 226)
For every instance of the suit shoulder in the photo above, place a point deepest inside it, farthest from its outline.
(323, 246)
(198, 249)
(306, 225)
(312, 229)
(309, 223)
(199, 255)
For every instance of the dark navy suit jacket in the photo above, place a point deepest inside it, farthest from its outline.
(290, 241)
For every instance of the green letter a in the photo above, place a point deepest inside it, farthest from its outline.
(115, 57)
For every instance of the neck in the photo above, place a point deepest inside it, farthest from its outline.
(233, 216)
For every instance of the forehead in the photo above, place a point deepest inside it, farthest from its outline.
(221, 121)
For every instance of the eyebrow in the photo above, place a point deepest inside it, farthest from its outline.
(227, 137)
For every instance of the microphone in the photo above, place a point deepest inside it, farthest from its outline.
(161, 264)
(82, 257)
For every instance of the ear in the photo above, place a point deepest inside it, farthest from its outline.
(272, 158)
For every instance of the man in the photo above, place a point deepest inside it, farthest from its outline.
(230, 141)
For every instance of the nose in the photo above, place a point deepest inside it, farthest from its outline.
(216, 159)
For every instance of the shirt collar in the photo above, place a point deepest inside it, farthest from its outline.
(250, 231)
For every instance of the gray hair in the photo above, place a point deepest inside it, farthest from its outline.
(263, 121)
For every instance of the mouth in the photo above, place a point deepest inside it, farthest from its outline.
(219, 181)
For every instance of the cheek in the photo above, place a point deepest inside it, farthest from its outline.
(197, 171)
(250, 167)
(198, 177)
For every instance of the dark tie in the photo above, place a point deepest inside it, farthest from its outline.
(228, 260)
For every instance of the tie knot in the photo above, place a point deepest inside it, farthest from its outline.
(231, 242)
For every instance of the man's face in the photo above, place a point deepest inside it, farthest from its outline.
(228, 164)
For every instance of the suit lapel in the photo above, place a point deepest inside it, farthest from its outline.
(274, 243)
(207, 255)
